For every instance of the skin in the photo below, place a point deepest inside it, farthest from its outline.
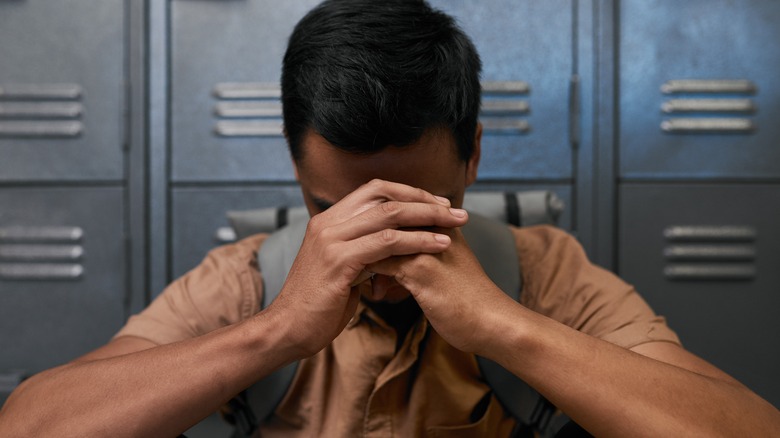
(391, 214)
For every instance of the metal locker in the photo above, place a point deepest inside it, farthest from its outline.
(226, 119)
(62, 274)
(698, 88)
(226, 59)
(199, 217)
(62, 90)
(526, 51)
(706, 257)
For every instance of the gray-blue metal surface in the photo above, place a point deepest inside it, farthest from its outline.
(529, 41)
(706, 257)
(62, 273)
(62, 79)
(699, 89)
(218, 50)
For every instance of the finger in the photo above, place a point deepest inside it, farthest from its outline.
(369, 249)
(379, 191)
(395, 215)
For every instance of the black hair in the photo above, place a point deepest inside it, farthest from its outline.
(367, 74)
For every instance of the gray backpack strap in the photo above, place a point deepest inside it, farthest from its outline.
(494, 246)
(275, 259)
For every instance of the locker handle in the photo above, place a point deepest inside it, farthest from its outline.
(575, 110)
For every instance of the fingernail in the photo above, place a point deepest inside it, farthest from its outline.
(442, 238)
(458, 212)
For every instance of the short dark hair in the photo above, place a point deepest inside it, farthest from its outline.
(367, 74)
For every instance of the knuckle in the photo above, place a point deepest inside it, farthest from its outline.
(390, 208)
(333, 253)
(316, 224)
(388, 237)
(401, 275)
(325, 234)
(423, 262)
(375, 184)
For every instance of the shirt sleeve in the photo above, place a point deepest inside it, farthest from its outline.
(224, 289)
(560, 282)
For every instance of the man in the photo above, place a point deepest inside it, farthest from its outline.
(385, 305)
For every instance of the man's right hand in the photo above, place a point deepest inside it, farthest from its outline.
(378, 220)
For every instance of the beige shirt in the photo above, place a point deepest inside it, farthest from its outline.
(360, 385)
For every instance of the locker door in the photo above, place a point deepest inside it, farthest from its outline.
(62, 274)
(526, 50)
(699, 92)
(226, 59)
(706, 257)
(61, 90)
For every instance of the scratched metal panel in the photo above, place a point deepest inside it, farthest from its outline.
(528, 41)
(699, 95)
(62, 273)
(707, 257)
(224, 84)
(62, 80)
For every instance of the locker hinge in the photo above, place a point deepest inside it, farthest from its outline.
(575, 113)
(125, 122)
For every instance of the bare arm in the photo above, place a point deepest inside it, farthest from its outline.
(133, 388)
(130, 387)
(658, 389)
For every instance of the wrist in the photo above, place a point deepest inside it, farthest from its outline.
(271, 336)
(507, 333)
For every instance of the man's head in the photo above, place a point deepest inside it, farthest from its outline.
(367, 74)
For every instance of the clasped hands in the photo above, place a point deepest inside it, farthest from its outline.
(393, 230)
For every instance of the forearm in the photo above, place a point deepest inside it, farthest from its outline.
(611, 391)
(159, 391)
